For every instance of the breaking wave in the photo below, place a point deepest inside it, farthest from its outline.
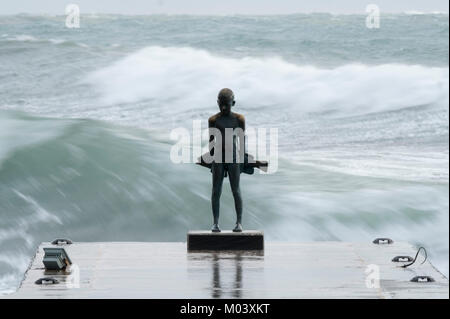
(187, 76)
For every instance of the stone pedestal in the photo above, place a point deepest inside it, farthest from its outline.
(225, 240)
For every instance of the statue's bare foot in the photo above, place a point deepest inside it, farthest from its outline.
(238, 228)
(215, 228)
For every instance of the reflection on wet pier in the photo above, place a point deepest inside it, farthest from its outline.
(284, 270)
(227, 270)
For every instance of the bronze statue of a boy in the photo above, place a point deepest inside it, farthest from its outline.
(227, 156)
(228, 163)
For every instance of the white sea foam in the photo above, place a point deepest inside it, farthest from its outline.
(23, 38)
(416, 12)
(182, 77)
(57, 41)
(30, 38)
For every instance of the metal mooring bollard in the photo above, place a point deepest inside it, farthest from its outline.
(423, 279)
(383, 241)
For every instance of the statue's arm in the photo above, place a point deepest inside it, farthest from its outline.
(241, 120)
(211, 125)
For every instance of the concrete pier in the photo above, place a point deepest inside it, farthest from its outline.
(225, 240)
(285, 270)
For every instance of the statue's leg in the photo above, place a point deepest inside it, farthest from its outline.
(217, 181)
(234, 174)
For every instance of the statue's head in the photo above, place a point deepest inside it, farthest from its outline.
(225, 100)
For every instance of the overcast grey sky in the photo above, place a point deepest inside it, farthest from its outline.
(218, 7)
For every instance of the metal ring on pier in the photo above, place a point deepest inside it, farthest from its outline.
(46, 281)
(402, 259)
(383, 241)
(423, 279)
(62, 241)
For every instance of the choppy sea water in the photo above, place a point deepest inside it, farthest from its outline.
(85, 118)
